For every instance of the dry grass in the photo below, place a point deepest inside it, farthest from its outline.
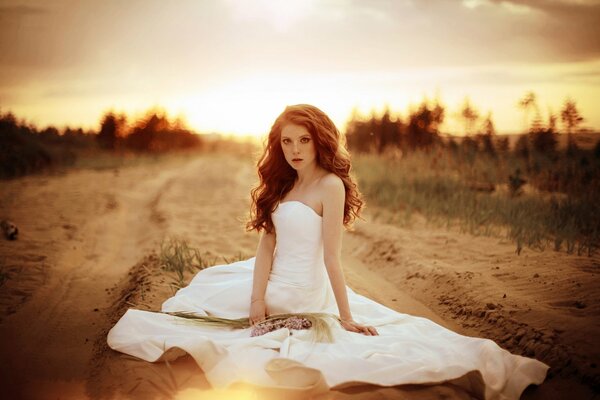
(319, 322)
(442, 189)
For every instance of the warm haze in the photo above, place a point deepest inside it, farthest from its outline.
(473, 244)
(229, 66)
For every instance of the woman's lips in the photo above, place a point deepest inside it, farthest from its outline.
(297, 160)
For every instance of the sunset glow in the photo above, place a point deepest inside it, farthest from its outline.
(232, 66)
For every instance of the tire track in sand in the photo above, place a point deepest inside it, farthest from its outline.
(528, 304)
(51, 336)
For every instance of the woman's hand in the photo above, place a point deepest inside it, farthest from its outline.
(258, 311)
(352, 326)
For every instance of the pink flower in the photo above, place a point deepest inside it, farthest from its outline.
(273, 325)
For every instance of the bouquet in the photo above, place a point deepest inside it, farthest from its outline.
(318, 322)
(295, 322)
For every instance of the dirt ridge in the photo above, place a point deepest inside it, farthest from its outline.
(467, 298)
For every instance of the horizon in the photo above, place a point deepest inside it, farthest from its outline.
(232, 67)
(229, 135)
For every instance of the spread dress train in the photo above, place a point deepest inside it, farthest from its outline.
(408, 350)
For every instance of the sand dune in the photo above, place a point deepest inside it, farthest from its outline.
(87, 252)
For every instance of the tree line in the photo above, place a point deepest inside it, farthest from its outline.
(420, 130)
(535, 157)
(25, 148)
(154, 133)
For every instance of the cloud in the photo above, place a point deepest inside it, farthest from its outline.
(163, 43)
(282, 15)
(521, 31)
(472, 32)
(20, 11)
(571, 26)
(20, 35)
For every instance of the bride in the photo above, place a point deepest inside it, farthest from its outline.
(304, 200)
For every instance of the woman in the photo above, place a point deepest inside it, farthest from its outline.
(304, 199)
(305, 162)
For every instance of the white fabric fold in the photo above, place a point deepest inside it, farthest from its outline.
(408, 350)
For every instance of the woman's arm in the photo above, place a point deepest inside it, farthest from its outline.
(262, 269)
(333, 222)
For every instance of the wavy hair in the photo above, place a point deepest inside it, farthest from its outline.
(277, 177)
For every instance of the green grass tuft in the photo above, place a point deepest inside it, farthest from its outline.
(177, 256)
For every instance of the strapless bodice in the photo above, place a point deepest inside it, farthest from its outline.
(298, 258)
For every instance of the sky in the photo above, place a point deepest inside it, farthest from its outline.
(232, 66)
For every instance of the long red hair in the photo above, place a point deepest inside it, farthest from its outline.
(277, 177)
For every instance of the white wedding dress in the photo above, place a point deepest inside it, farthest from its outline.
(408, 350)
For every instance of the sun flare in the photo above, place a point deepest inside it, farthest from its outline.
(249, 106)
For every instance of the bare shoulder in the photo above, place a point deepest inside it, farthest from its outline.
(332, 186)
(333, 195)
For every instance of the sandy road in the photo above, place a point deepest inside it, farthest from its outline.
(83, 233)
(80, 233)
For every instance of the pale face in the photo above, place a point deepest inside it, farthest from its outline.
(298, 146)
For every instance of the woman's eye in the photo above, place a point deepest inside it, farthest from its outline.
(286, 141)
(304, 140)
